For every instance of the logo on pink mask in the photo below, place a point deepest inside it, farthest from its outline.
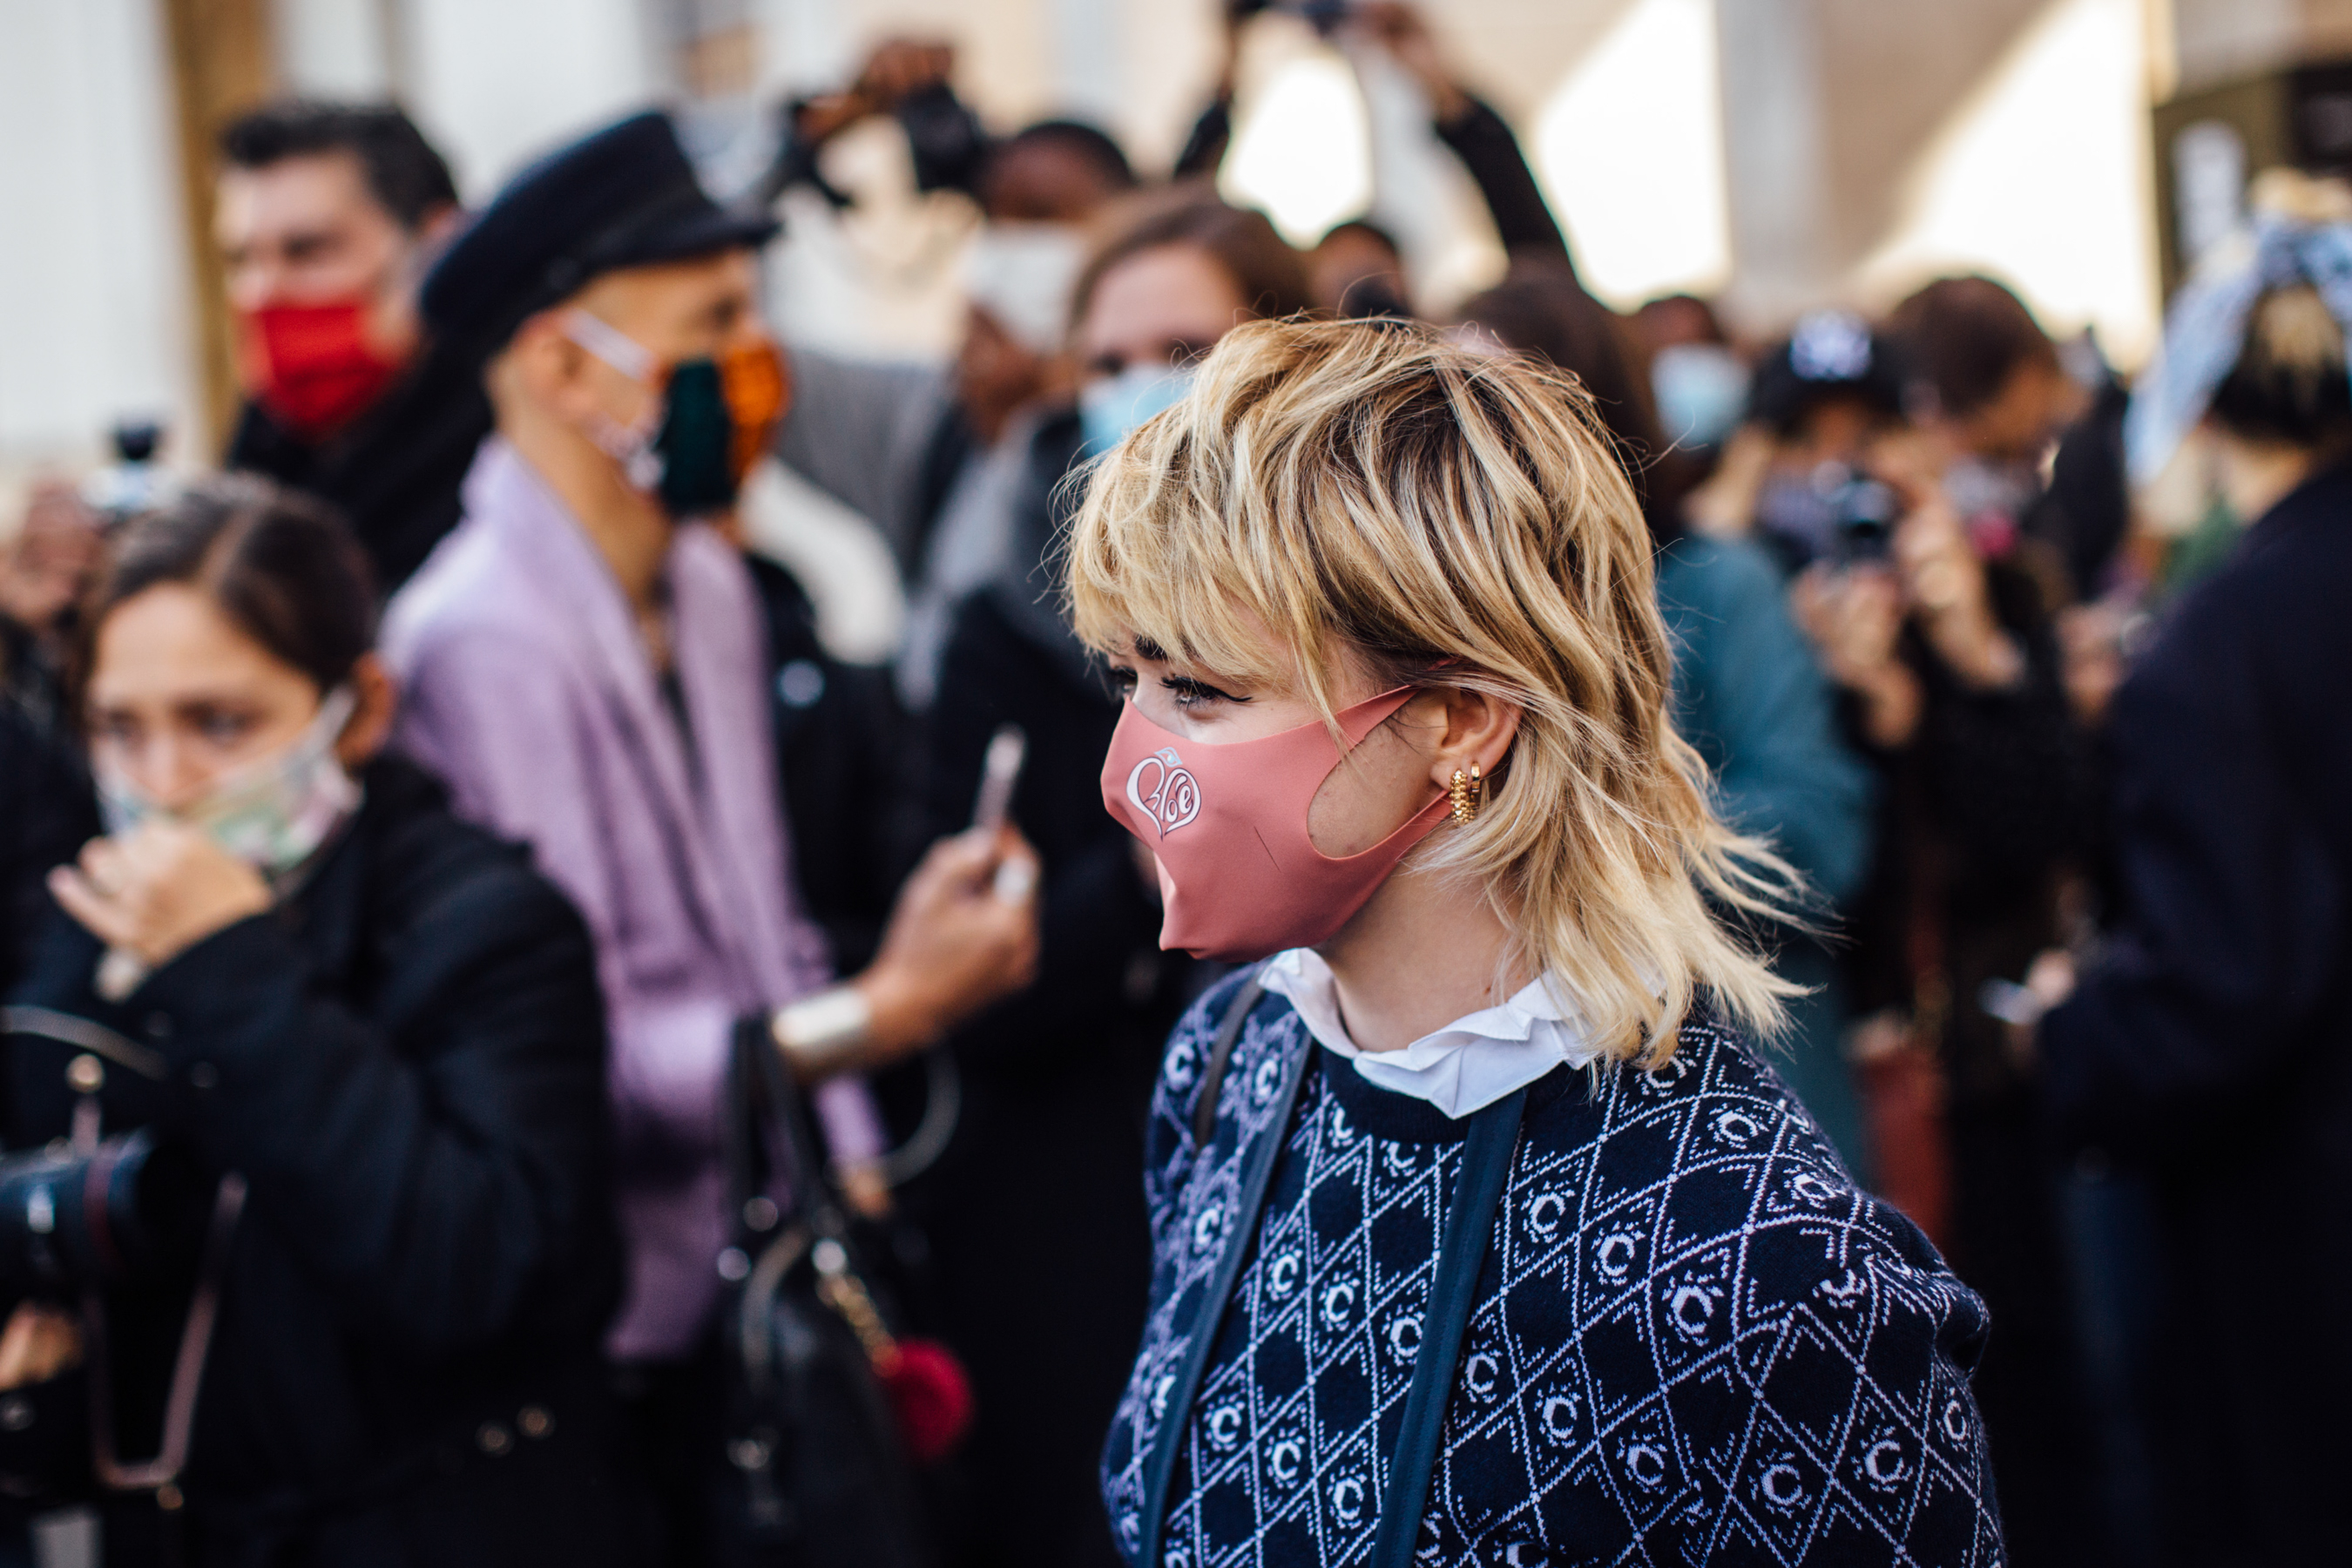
(1163, 789)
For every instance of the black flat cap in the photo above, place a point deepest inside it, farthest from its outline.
(621, 196)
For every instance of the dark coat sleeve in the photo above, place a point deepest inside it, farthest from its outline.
(2009, 770)
(2235, 907)
(1095, 915)
(46, 816)
(1204, 148)
(1482, 139)
(439, 1176)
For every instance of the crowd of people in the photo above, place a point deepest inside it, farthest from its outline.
(515, 1049)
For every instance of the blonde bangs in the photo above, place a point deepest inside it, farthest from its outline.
(1374, 491)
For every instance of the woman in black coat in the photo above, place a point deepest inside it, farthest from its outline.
(309, 985)
(2210, 1047)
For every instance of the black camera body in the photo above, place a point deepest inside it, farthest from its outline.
(1863, 515)
(73, 1219)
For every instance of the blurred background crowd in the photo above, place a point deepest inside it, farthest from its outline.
(1860, 290)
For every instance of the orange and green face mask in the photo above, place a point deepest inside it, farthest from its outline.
(717, 414)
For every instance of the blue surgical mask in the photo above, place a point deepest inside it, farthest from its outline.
(1700, 389)
(1112, 407)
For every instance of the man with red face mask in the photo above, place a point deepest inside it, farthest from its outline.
(327, 215)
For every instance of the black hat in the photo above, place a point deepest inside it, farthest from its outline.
(1831, 354)
(621, 196)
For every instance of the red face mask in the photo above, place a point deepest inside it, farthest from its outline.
(1239, 875)
(312, 366)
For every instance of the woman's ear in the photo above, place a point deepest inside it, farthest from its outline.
(1479, 728)
(370, 725)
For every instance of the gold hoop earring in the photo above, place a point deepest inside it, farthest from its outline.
(1467, 794)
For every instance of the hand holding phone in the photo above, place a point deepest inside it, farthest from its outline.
(1000, 771)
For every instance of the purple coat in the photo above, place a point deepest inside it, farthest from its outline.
(525, 685)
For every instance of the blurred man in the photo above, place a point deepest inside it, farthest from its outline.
(327, 215)
(2029, 451)
(43, 571)
(585, 663)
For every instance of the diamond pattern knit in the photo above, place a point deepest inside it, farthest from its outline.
(1695, 1340)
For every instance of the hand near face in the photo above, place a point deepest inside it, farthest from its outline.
(1853, 617)
(158, 890)
(1945, 583)
(963, 934)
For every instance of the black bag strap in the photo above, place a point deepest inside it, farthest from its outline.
(765, 1114)
(1486, 1171)
(1257, 1170)
(1220, 1054)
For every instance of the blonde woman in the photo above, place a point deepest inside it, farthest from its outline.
(1482, 1232)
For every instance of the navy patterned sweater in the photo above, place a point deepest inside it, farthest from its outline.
(1695, 1341)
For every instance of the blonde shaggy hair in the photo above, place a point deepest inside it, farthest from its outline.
(1372, 491)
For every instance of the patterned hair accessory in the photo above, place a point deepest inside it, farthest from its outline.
(2205, 331)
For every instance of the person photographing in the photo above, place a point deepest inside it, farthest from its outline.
(1480, 1231)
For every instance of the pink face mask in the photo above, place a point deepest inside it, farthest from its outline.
(1239, 875)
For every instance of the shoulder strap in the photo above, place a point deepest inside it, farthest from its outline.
(1220, 1054)
(1486, 1171)
(1240, 1232)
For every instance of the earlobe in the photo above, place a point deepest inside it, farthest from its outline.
(378, 704)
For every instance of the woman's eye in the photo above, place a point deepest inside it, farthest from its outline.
(1191, 694)
(223, 729)
(1122, 679)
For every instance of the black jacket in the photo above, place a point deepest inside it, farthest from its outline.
(406, 1062)
(2211, 1046)
(46, 816)
(1035, 1211)
(840, 758)
(396, 473)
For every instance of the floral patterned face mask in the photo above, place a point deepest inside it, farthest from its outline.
(273, 813)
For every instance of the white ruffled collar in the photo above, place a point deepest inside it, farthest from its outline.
(1470, 1063)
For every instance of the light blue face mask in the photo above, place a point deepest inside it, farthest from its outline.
(1110, 408)
(1701, 389)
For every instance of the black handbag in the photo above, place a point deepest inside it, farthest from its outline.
(820, 1476)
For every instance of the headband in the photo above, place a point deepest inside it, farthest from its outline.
(2205, 330)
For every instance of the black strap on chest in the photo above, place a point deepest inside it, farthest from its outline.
(1486, 1171)
(1201, 1333)
(1461, 1252)
(1221, 1054)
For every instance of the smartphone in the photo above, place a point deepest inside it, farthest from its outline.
(2010, 1003)
(1000, 770)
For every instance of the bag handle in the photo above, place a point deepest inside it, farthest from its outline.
(1240, 1232)
(1486, 1171)
(1221, 1054)
(765, 1114)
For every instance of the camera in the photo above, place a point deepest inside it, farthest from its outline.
(127, 1210)
(1324, 15)
(1863, 514)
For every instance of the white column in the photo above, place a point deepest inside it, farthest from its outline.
(333, 48)
(496, 85)
(93, 278)
(1087, 79)
(1774, 160)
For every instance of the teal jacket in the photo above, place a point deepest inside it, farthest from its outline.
(1749, 695)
